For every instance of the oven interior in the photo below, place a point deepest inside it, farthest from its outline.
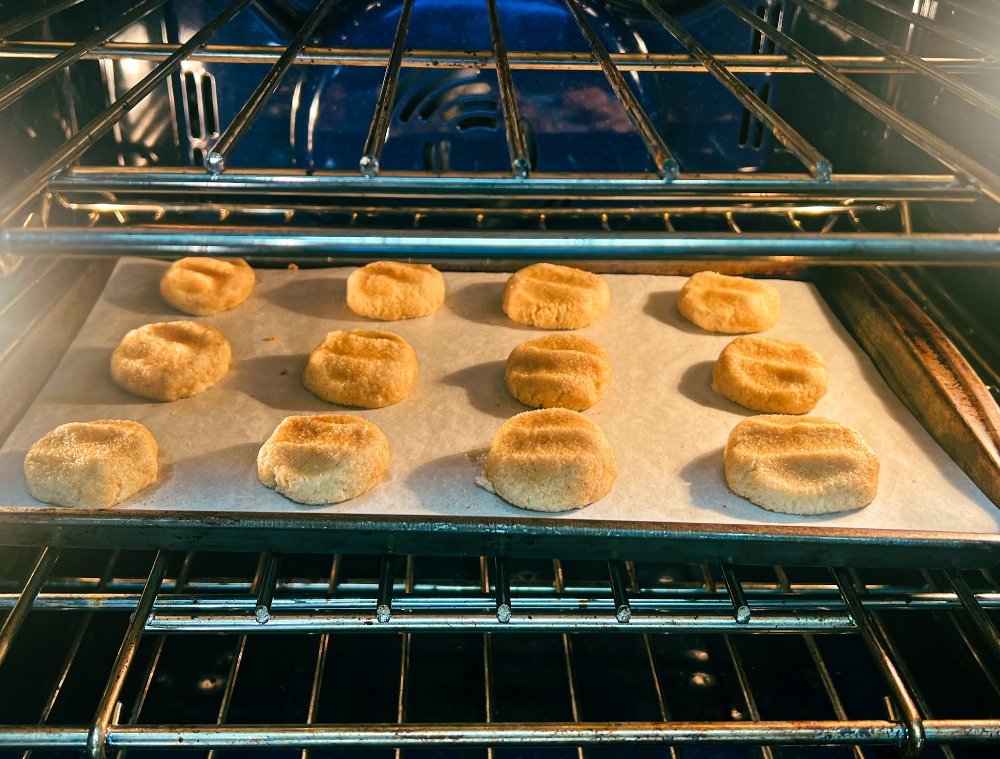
(480, 133)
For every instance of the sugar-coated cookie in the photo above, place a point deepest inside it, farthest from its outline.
(362, 368)
(165, 361)
(202, 286)
(732, 305)
(549, 460)
(558, 371)
(389, 290)
(555, 297)
(91, 464)
(773, 376)
(327, 458)
(800, 465)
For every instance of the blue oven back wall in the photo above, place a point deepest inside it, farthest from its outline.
(450, 119)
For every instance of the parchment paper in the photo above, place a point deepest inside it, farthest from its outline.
(664, 422)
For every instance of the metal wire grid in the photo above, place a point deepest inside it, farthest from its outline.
(475, 615)
(523, 191)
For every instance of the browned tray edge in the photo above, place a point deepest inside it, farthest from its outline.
(923, 368)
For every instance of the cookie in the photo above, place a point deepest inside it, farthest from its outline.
(91, 464)
(327, 458)
(362, 368)
(800, 465)
(389, 290)
(166, 361)
(549, 460)
(558, 371)
(773, 376)
(202, 286)
(732, 305)
(555, 297)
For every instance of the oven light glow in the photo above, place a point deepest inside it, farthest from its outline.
(131, 67)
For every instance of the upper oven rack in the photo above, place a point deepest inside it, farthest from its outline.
(160, 210)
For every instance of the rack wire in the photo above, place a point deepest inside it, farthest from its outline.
(133, 650)
(485, 614)
(139, 207)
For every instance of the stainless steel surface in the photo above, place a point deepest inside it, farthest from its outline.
(14, 199)
(32, 17)
(663, 158)
(936, 27)
(974, 178)
(12, 624)
(520, 60)
(37, 76)
(347, 245)
(520, 164)
(971, 95)
(107, 707)
(933, 145)
(818, 165)
(370, 163)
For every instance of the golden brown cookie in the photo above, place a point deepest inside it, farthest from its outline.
(203, 286)
(327, 458)
(362, 368)
(774, 376)
(91, 464)
(165, 361)
(720, 303)
(800, 465)
(549, 460)
(555, 297)
(389, 290)
(558, 371)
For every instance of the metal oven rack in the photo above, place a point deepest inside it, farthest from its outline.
(115, 652)
(319, 654)
(817, 213)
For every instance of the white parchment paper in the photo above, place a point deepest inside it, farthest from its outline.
(664, 422)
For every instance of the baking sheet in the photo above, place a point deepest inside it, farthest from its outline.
(664, 422)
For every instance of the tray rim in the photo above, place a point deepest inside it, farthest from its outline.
(684, 542)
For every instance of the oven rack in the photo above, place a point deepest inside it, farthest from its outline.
(134, 196)
(482, 607)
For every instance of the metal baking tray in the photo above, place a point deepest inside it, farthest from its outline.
(666, 425)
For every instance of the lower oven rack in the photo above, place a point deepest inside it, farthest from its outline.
(654, 634)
